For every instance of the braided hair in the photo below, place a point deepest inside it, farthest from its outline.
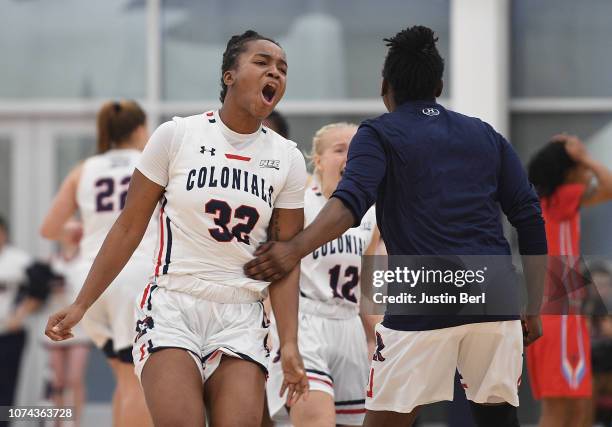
(235, 46)
(413, 66)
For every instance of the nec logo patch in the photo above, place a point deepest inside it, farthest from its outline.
(272, 164)
(431, 111)
(366, 225)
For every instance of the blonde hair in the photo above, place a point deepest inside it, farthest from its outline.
(317, 144)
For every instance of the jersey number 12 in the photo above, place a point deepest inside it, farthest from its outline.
(346, 291)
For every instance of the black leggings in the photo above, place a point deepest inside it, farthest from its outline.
(504, 415)
(11, 350)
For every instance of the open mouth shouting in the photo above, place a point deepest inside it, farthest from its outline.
(268, 93)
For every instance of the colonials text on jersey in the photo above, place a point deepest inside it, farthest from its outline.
(234, 178)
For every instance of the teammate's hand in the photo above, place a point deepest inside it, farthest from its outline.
(532, 329)
(274, 260)
(59, 326)
(295, 381)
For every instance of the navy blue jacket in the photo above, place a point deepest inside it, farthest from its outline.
(438, 179)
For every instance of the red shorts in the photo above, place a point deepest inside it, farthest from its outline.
(559, 363)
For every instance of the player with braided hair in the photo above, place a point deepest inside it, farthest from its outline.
(438, 179)
(226, 184)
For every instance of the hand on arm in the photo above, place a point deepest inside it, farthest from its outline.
(365, 169)
(284, 297)
(275, 259)
(120, 243)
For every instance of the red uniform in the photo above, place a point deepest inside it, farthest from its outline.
(559, 363)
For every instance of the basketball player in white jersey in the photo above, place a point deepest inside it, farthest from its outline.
(97, 188)
(332, 339)
(227, 185)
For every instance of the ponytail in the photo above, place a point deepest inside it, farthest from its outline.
(116, 121)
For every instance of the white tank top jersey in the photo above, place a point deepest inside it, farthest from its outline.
(221, 189)
(101, 195)
(331, 274)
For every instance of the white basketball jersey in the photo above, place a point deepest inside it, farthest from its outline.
(101, 195)
(331, 274)
(218, 204)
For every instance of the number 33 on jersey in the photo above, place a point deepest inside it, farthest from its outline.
(219, 199)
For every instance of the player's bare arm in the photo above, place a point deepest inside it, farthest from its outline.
(285, 224)
(534, 268)
(118, 247)
(63, 207)
(276, 259)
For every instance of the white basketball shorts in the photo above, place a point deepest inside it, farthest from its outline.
(412, 368)
(111, 317)
(207, 330)
(335, 355)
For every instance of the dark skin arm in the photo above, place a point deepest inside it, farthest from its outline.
(275, 260)
(534, 267)
(284, 297)
(118, 247)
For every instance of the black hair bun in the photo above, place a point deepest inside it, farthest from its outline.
(417, 39)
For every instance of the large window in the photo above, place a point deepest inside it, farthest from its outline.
(72, 49)
(531, 131)
(561, 48)
(70, 149)
(334, 48)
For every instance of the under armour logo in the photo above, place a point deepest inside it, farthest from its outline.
(431, 111)
(204, 150)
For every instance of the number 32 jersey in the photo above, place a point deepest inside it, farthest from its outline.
(101, 195)
(331, 274)
(218, 202)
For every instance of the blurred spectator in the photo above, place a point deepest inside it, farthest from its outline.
(68, 359)
(278, 123)
(19, 296)
(601, 344)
